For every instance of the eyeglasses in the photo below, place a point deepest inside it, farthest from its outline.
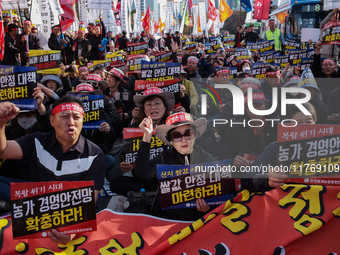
(177, 136)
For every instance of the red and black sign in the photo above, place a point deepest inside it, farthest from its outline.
(47, 61)
(309, 151)
(136, 47)
(38, 207)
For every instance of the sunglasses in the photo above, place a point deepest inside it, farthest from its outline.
(177, 136)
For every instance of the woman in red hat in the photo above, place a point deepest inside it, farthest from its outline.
(180, 131)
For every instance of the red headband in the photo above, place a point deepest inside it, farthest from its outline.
(328, 61)
(116, 73)
(13, 29)
(224, 70)
(90, 26)
(66, 107)
(94, 77)
(249, 85)
(27, 22)
(150, 91)
(81, 31)
(255, 96)
(84, 87)
(273, 73)
(177, 117)
(83, 68)
(192, 59)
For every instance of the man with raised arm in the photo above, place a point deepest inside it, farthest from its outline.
(61, 155)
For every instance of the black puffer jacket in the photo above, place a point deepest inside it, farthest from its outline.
(147, 169)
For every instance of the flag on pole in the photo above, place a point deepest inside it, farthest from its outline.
(146, 20)
(225, 11)
(199, 24)
(143, 16)
(212, 13)
(69, 15)
(117, 13)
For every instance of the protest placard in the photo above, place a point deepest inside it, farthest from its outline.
(132, 138)
(136, 47)
(94, 111)
(157, 71)
(309, 151)
(181, 185)
(258, 70)
(17, 84)
(46, 61)
(38, 207)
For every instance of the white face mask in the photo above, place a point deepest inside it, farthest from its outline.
(27, 122)
(246, 68)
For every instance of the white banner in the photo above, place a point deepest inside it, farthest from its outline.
(195, 17)
(209, 24)
(135, 23)
(56, 10)
(124, 18)
(82, 11)
(130, 2)
(138, 17)
(177, 10)
(13, 5)
(203, 18)
(170, 15)
(216, 23)
(152, 23)
(331, 4)
(185, 3)
(112, 20)
(99, 4)
(35, 13)
(165, 18)
(45, 28)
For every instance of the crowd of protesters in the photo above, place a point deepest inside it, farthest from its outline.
(154, 108)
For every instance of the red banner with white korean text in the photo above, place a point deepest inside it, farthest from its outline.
(297, 219)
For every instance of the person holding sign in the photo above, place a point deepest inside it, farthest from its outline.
(98, 49)
(329, 51)
(325, 69)
(268, 156)
(31, 42)
(274, 34)
(123, 99)
(62, 155)
(180, 131)
(25, 123)
(154, 104)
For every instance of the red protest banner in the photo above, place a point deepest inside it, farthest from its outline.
(297, 219)
(38, 207)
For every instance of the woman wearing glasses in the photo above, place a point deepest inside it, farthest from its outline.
(180, 131)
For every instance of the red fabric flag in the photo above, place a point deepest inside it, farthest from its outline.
(261, 10)
(68, 17)
(146, 21)
(212, 13)
(117, 13)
